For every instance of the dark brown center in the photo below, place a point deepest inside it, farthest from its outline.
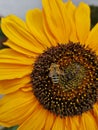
(65, 79)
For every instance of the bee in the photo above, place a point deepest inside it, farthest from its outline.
(55, 73)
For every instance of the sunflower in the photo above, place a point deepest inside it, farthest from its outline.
(49, 71)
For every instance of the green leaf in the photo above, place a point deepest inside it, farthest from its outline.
(11, 128)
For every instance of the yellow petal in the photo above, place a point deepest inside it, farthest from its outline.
(20, 49)
(66, 123)
(36, 121)
(95, 111)
(74, 123)
(27, 87)
(11, 56)
(13, 71)
(71, 10)
(34, 22)
(82, 20)
(17, 31)
(58, 124)
(16, 107)
(9, 86)
(92, 40)
(88, 122)
(56, 20)
(49, 121)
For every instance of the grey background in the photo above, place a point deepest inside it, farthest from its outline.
(19, 7)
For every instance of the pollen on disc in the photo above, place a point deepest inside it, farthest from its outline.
(65, 78)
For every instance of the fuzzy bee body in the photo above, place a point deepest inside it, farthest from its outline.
(55, 73)
(55, 78)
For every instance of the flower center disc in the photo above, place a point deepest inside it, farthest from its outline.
(71, 76)
(65, 78)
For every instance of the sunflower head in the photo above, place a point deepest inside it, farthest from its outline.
(49, 73)
(64, 79)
